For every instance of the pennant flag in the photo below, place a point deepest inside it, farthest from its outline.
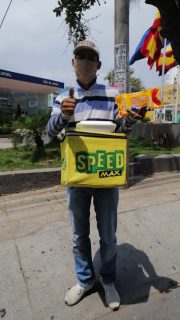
(153, 44)
(150, 44)
(138, 54)
(169, 61)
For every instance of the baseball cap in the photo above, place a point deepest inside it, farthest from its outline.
(86, 44)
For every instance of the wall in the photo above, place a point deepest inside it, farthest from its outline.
(170, 94)
(170, 132)
(30, 102)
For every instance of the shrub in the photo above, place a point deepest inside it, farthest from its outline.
(6, 120)
(30, 130)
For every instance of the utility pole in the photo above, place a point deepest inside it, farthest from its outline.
(121, 48)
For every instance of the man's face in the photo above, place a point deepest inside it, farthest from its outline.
(86, 63)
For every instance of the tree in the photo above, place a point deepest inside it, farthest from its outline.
(135, 83)
(30, 130)
(6, 120)
(74, 17)
(110, 77)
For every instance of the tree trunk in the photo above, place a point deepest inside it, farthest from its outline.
(38, 140)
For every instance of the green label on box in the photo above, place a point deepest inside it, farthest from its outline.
(93, 162)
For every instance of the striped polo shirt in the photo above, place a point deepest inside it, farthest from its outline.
(96, 103)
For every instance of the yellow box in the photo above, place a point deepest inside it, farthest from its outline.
(93, 159)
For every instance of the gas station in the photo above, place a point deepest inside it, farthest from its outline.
(33, 94)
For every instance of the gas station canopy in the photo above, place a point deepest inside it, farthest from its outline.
(16, 81)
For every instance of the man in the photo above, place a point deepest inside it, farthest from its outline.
(18, 112)
(90, 101)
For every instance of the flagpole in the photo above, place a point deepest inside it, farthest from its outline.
(163, 70)
(177, 96)
(162, 79)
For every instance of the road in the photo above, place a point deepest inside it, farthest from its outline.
(5, 143)
(36, 264)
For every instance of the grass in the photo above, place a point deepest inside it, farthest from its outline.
(141, 146)
(22, 158)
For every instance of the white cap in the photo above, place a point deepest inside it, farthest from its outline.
(86, 44)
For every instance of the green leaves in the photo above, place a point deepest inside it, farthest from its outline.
(30, 130)
(74, 17)
(135, 83)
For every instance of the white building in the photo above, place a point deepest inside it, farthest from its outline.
(172, 75)
(171, 96)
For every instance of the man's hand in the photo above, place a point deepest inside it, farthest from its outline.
(68, 104)
(131, 119)
(138, 115)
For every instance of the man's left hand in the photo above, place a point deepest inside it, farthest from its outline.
(138, 115)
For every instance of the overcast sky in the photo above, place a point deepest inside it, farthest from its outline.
(33, 41)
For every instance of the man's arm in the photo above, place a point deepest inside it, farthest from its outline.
(62, 110)
(55, 124)
(57, 121)
(126, 124)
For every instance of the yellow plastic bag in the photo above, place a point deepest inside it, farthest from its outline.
(93, 159)
(136, 100)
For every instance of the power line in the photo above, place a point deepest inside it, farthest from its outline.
(5, 14)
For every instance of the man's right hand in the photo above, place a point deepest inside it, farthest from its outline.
(68, 104)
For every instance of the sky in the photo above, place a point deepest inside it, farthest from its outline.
(34, 42)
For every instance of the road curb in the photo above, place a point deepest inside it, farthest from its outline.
(24, 180)
(147, 165)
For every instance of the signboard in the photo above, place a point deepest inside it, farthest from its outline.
(51, 99)
(33, 103)
(120, 67)
(31, 79)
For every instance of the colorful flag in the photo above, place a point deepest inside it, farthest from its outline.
(150, 44)
(153, 44)
(138, 54)
(169, 61)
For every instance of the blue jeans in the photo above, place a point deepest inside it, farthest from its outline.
(105, 203)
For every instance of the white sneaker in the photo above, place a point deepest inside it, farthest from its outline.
(75, 294)
(112, 296)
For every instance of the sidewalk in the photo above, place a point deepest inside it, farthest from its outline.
(36, 265)
(5, 142)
